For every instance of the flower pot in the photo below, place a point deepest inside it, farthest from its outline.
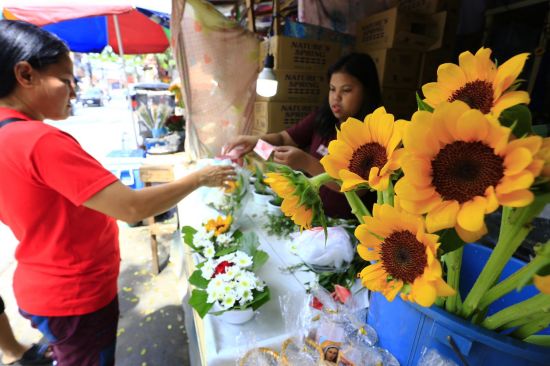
(261, 198)
(274, 209)
(407, 329)
(237, 316)
(158, 132)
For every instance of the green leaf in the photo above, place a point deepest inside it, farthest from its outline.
(188, 234)
(225, 251)
(423, 106)
(260, 298)
(198, 302)
(259, 259)
(450, 241)
(249, 243)
(198, 280)
(518, 118)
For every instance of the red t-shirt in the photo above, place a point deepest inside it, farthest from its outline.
(305, 135)
(68, 255)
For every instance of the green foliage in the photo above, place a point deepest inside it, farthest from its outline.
(188, 234)
(280, 226)
(423, 106)
(198, 280)
(198, 302)
(518, 118)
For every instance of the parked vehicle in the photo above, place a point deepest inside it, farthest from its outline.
(92, 97)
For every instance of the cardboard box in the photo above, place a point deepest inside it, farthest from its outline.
(428, 6)
(302, 54)
(278, 116)
(401, 102)
(397, 29)
(396, 68)
(299, 86)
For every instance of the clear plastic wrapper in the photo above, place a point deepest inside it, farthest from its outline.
(431, 357)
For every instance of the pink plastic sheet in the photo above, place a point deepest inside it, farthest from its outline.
(218, 65)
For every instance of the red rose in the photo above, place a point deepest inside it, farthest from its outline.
(222, 268)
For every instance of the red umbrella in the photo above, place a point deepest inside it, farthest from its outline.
(141, 26)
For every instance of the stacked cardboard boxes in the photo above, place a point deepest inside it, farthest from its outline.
(300, 68)
(398, 40)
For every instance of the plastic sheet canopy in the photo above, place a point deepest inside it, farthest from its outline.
(218, 65)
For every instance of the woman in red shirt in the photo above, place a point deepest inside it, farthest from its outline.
(354, 92)
(61, 204)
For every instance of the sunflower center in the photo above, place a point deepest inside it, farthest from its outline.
(463, 170)
(366, 157)
(403, 257)
(477, 94)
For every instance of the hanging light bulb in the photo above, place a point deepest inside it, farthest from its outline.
(266, 86)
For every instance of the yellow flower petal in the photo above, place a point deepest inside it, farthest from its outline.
(349, 180)
(471, 126)
(467, 62)
(471, 214)
(470, 236)
(418, 171)
(443, 288)
(542, 283)
(365, 237)
(517, 182)
(352, 133)
(516, 199)
(451, 76)
(424, 294)
(517, 160)
(510, 99)
(407, 189)
(443, 216)
(508, 72)
(492, 201)
(333, 164)
(366, 254)
(433, 93)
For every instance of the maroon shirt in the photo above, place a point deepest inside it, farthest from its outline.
(305, 135)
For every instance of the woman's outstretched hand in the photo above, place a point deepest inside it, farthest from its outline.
(240, 145)
(216, 176)
(292, 156)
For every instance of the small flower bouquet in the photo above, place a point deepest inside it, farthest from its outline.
(229, 282)
(213, 238)
(467, 152)
(231, 199)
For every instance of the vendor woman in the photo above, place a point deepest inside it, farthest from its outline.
(353, 92)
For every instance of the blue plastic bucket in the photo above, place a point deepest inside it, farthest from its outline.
(406, 329)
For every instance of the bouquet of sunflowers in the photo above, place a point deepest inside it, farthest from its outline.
(467, 152)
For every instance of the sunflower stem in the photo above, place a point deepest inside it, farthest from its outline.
(510, 283)
(320, 179)
(379, 198)
(357, 206)
(513, 231)
(520, 310)
(387, 194)
(454, 262)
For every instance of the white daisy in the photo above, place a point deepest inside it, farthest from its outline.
(242, 259)
(209, 251)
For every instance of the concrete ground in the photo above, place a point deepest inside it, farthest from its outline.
(151, 328)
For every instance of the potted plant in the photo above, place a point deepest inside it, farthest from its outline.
(274, 205)
(226, 284)
(468, 151)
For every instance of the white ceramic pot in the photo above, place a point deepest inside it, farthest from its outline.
(274, 209)
(237, 316)
(261, 199)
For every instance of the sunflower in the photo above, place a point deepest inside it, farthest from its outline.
(405, 256)
(300, 210)
(220, 225)
(460, 165)
(544, 155)
(477, 81)
(365, 152)
(542, 283)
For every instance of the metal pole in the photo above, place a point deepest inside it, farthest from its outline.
(125, 75)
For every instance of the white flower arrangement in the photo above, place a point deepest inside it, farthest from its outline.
(228, 280)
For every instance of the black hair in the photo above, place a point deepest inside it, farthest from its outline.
(23, 41)
(362, 67)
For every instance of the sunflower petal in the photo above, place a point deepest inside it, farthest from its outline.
(349, 180)
(424, 293)
(351, 132)
(333, 164)
(418, 137)
(510, 99)
(492, 201)
(451, 76)
(434, 94)
(417, 170)
(443, 216)
(516, 182)
(471, 214)
(405, 188)
(467, 62)
(517, 160)
(392, 291)
(443, 288)
(366, 238)
(542, 283)
(516, 199)
(419, 207)
(508, 72)
(472, 126)
(470, 236)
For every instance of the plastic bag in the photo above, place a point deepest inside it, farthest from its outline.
(336, 253)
